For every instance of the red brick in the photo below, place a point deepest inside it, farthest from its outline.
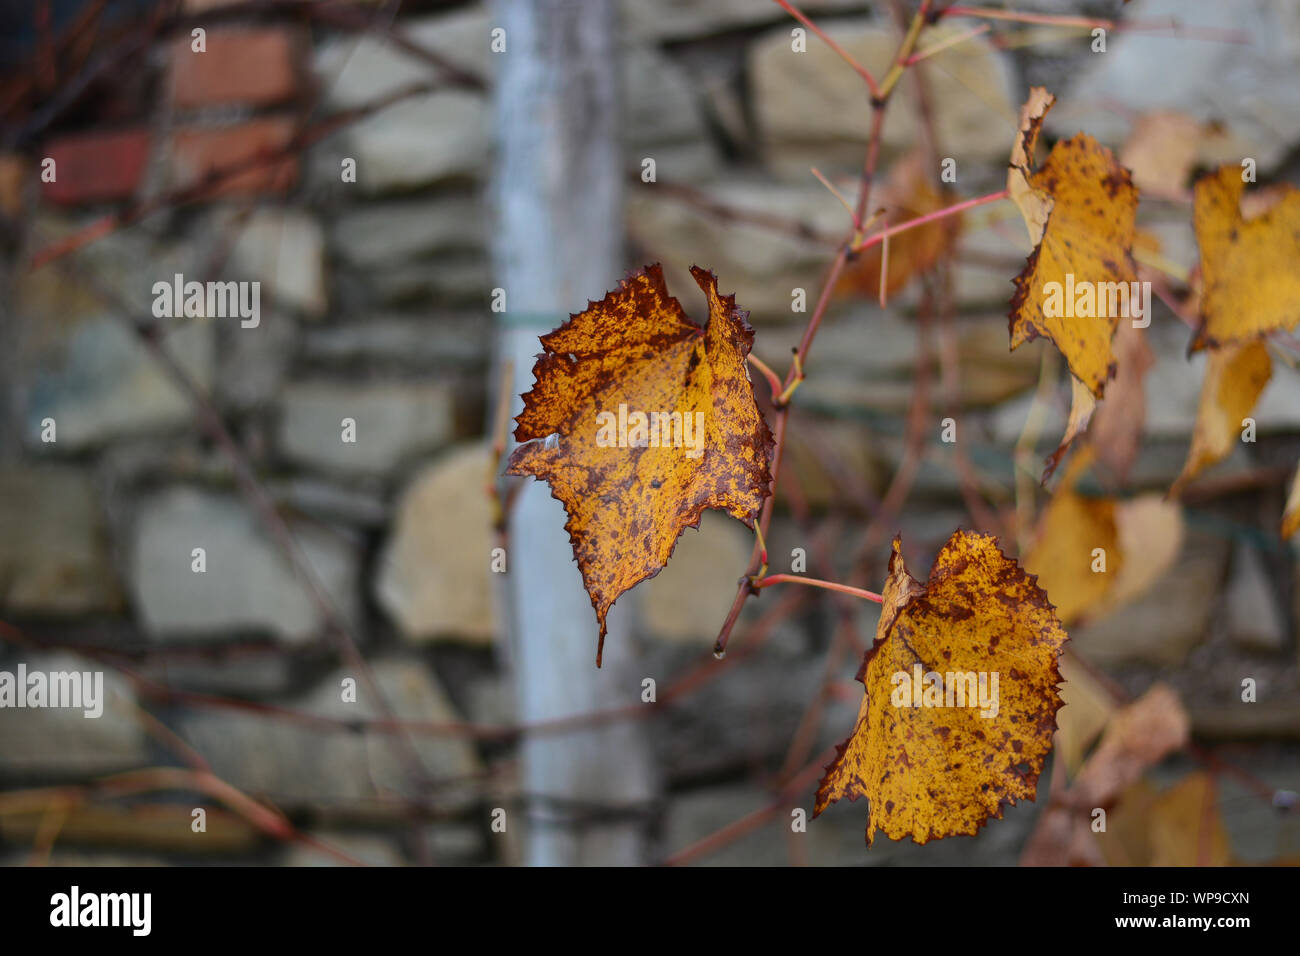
(198, 151)
(97, 167)
(251, 66)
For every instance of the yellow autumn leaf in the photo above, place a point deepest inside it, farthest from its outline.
(1235, 376)
(1096, 554)
(961, 696)
(1076, 551)
(1186, 826)
(1248, 265)
(1081, 210)
(639, 420)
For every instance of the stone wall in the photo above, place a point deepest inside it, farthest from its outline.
(375, 309)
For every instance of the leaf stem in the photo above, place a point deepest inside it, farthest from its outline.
(836, 193)
(905, 50)
(920, 55)
(1093, 23)
(762, 582)
(783, 399)
(1160, 263)
(773, 380)
(881, 236)
(884, 269)
(1046, 19)
(879, 101)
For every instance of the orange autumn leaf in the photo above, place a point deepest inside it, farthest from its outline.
(639, 420)
(907, 194)
(1235, 376)
(1080, 209)
(979, 626)
(1248, 265)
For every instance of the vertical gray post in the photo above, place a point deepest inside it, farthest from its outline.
(558, 243)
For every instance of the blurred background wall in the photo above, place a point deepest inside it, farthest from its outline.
(328, 560)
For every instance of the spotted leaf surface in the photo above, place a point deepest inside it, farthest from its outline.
(933, 771)
(630, 485)
(1081, 212)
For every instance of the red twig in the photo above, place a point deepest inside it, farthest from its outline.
(1093, 23)
(773, 381)
(752, 821)
(816, 583)
(879, 101)
(877, 237)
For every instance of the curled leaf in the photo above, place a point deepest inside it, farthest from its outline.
(639, 420)
(1081, 212)
(1034, 203)
(1235, 377)
(1082, 407)
(961, 696)
(1114, 425)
